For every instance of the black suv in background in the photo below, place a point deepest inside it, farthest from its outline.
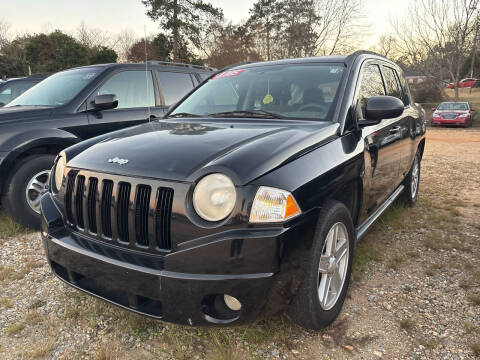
(13, 88)
(74, 105)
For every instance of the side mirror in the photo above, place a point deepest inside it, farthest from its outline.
(433, 109)
(472, 110)
(381, 107)
(2, 104)
(105, 102)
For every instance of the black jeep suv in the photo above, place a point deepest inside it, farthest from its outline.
(72, 106)
(248, 197)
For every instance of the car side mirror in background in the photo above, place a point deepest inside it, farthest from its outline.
(472, 110)
(105, 102)
(381, 107)
(433, 109)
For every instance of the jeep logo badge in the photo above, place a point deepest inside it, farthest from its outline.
(118, 161)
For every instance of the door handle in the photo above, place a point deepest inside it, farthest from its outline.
(395, 129)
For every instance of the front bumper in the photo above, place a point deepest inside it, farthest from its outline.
(143, 283)
(457, 121)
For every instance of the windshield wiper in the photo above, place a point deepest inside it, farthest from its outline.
(182, 114)
(248, 113)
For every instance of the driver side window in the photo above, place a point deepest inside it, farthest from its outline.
(371, 85)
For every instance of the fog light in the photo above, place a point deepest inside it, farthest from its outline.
(232, 303)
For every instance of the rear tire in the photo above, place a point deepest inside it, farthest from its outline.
(322, 292)
(21, 205)
(412, 182)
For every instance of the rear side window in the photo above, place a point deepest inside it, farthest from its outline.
(174, 86)
(131, 89)
(371, 84)
(391, 83)
(405, 93)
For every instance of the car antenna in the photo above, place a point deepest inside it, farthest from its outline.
(146, 72)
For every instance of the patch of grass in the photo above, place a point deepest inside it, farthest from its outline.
(108, 351)
(433, 269)
(413, 254)
(34, 317)
(9, 228)
(41, 350)
(14, 328)
(474, 298)
(468, 327)
(429, 343)
(436, 240)
(5, 303)
(475, 347)
(8, 273)
(395, 262)
(366, 251)
(407, 324)
(393, 216)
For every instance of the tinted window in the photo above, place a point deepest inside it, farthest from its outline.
(405, 93)
(371, 84)
(59, 88)
(300, 91)
(133, 89)
(174, 86)
(391, 83)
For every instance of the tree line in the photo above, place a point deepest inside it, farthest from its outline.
(437, 38)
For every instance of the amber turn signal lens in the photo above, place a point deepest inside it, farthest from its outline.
(273, 205)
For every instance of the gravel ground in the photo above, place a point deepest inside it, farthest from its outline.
(415, 292)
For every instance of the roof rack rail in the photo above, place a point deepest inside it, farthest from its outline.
(357, 53)
(190, 66)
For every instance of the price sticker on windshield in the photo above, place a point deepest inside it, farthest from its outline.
(228, 73)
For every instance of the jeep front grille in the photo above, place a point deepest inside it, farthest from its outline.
(126, 213)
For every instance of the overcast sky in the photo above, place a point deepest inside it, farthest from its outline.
(27, 16)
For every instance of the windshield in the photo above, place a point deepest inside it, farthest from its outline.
(57, 89)
(290, 91)
(453, 106)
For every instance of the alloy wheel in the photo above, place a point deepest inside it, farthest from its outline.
(415, 178)
(332, 268)
(36, 187)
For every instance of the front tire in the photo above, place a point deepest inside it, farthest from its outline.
(322, 292)
(27, 183)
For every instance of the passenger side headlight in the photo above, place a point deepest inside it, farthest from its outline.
(58, 173)
(214, 197)
(273, 205)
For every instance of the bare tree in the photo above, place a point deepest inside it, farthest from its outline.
(437, 36)
(4, 32)
(92, 37)
(340, 27)
(387, 46)
(123, 43)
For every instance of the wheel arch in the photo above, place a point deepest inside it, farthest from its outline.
(47, 145)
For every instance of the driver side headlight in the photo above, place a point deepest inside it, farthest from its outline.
(58, 171)
(214, 197)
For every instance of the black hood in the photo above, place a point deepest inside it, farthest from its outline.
(184, 150)
(23, 113)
